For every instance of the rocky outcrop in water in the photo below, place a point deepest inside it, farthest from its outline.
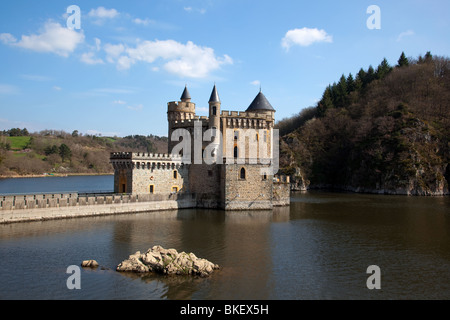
(167, 261)
(89, 264)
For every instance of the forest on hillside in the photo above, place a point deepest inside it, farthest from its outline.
(57, 152)
(385, 130)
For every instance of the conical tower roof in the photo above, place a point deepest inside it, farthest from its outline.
(214, 95)
(185, 95)
(260, 103)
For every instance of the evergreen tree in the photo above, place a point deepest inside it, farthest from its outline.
(359, 81)
(370, 76)
(350, 83)
(341, 93)
(383, 69)
(402, 61)
(65, 152)
(326, 102)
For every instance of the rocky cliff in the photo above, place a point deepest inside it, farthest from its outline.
(390, 136)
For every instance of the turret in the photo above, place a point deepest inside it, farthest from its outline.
(214, 109)
(179, 112)
(214, 120)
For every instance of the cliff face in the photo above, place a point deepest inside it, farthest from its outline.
(393, 137)
(408, 160)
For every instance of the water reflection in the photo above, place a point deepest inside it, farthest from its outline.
(319, 248)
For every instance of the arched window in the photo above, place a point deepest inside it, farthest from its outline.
(214, 110)
(242, 174)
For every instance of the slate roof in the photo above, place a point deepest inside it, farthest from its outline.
(260, 103)
(185, 94)
(214, 95)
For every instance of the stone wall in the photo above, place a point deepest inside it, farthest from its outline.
(46, 207)
(250, 193)
(164, 180)
(281, 193)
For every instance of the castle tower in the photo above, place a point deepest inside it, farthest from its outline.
(178, 112)
(261, 105)
(214, 120)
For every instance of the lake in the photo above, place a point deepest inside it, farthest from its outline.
(318, 248)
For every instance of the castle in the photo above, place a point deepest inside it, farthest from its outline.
(227, 160)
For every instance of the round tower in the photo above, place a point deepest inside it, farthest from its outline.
(214, 121)
(214, 110)
(178, 113)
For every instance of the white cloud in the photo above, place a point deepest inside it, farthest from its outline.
(8, 89)
(136, 108)
(102, 12)
(256, 83)
(7, 38)
(98, 44)
(304, 37)
(89, 58)
(57, 88)
(144, 22)
(405, 34)
(52, 38)
(185, 60)
(190, 9)
(113, 51)
(119, 102)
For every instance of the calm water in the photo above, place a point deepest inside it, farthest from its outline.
(57, 184)
(319, 248)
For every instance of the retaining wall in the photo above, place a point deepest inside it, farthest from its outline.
(57, 206)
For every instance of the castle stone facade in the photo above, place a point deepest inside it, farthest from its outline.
(225, 160)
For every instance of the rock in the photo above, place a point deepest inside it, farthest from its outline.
(89, 264)
(167, 261)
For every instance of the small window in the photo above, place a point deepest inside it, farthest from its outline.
(264, 176)
(242, 174)
(214, 111)
(236, 152)
(175, 174)
(152, 188)
(174, 189)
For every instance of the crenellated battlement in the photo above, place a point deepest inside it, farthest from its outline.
(144, 156)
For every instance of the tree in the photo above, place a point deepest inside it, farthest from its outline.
(383, 69)
(51, 150)
(342, 93)
(326, 102)
(403, 61)
(65, 152)
(75, 133)
(350, 83)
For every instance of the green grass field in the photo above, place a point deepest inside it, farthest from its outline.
(18, 143)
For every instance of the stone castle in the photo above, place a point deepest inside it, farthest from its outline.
(226, 161)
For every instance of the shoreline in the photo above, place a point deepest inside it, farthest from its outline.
(55, 175)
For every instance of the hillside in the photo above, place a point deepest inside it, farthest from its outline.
(58, 152)
(387, 130)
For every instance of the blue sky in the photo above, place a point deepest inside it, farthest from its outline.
(115, 75)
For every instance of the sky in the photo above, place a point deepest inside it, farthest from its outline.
(110, 67)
